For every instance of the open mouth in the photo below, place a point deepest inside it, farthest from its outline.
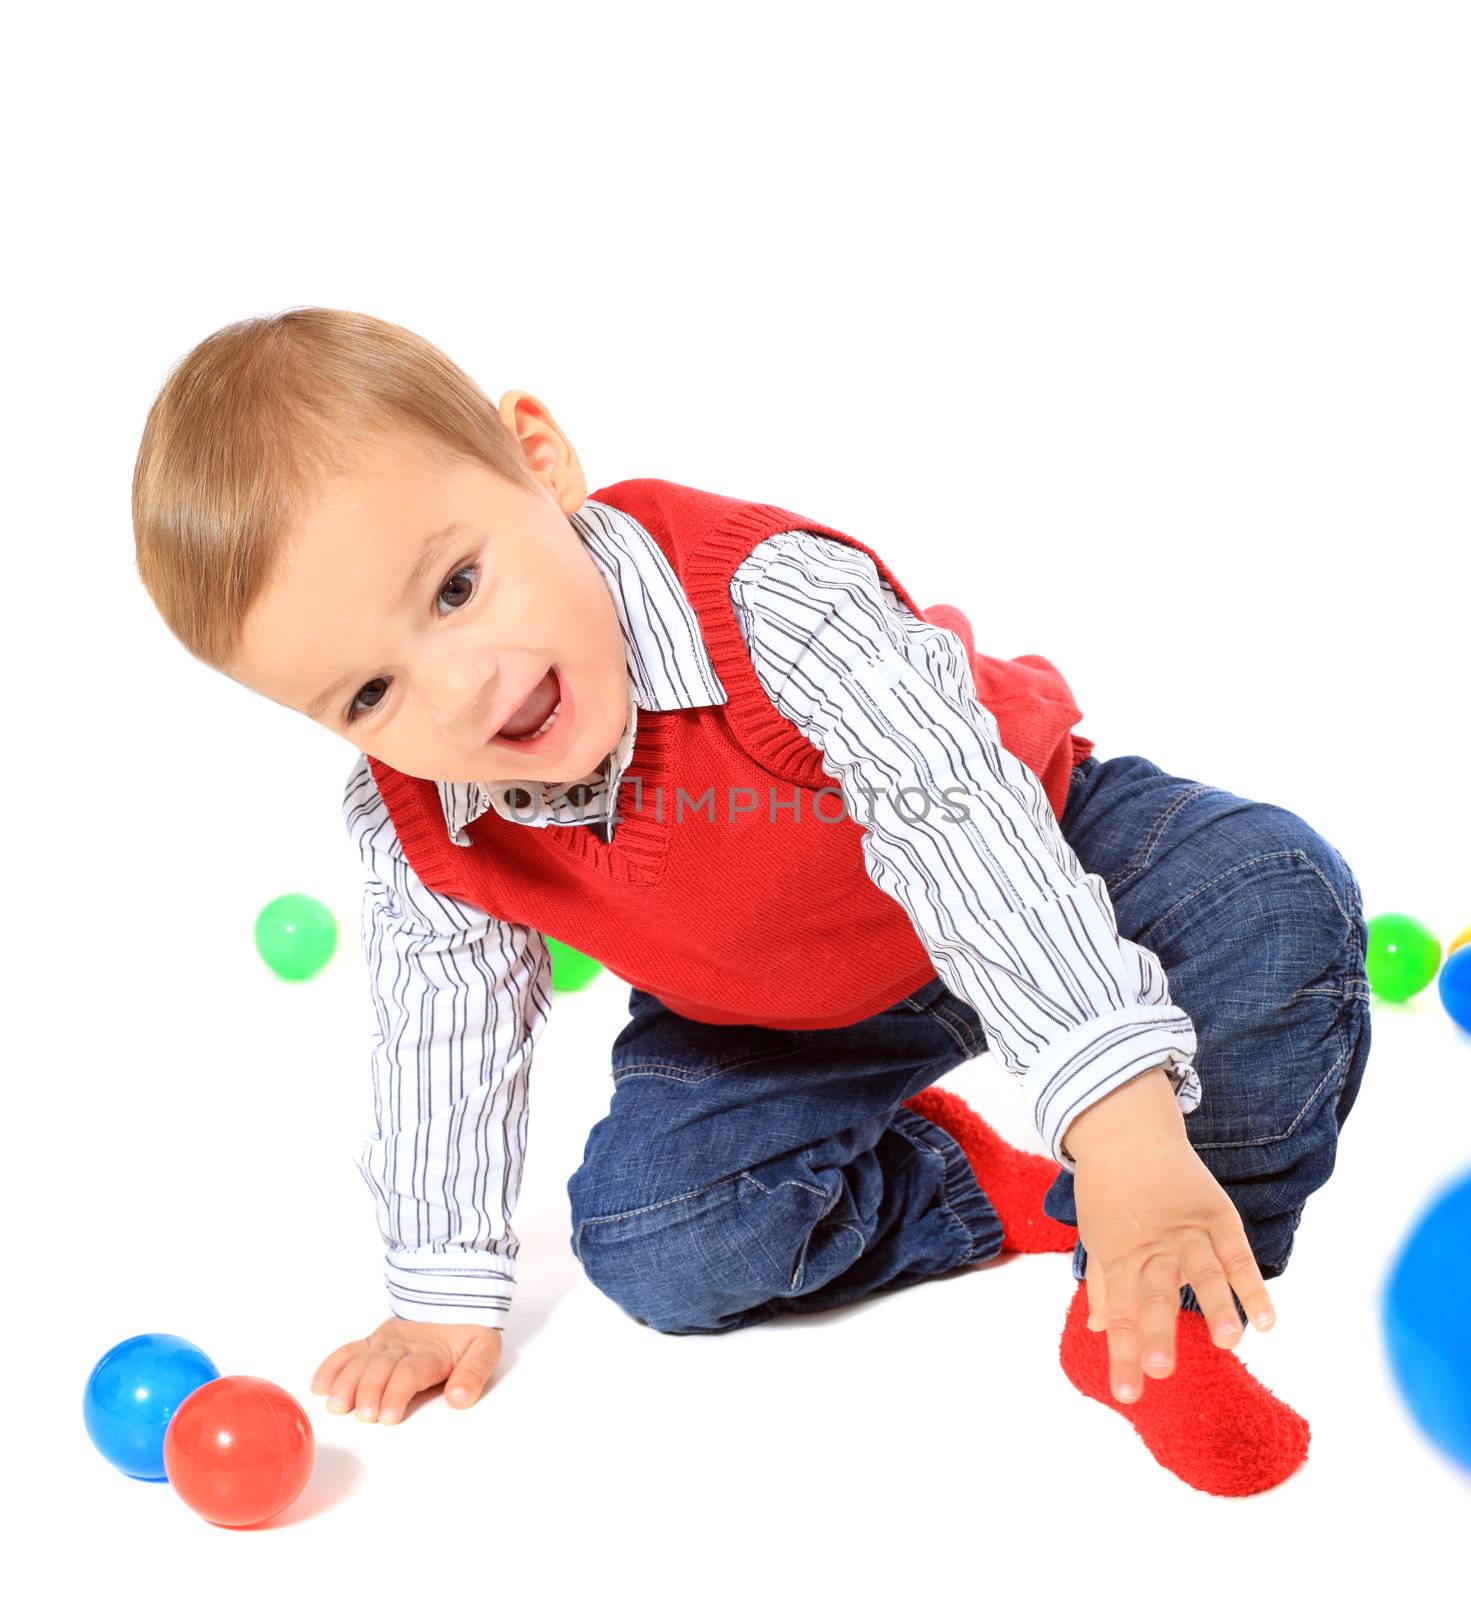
(541, 718)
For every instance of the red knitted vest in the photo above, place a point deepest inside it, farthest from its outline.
(733, 889)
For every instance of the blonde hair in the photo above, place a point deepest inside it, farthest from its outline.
(252, 421)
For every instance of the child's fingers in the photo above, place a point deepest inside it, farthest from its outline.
(1143, 1302)
(409, 1376)
(375, 1375)
(1159, 1311)
(1207, 1276)
(1236, 1257)
(473, 1369)
(334, 1363)
(345, 1384)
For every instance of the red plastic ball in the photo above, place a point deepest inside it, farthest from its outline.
(238, 1450)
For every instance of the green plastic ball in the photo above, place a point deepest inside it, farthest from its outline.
(1402, 957)
(296, 936)
(570, 968)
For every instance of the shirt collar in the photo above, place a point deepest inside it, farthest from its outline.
(668, 666)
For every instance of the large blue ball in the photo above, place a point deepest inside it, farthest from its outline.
(132, 1394)
(1427, 1321)
(1455, 986)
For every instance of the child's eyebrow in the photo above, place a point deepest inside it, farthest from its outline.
(429, 553)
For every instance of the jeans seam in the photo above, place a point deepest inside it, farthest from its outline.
(821, 1222)
(786, 1183)
(655, 1205)
(673, 1072)
(1343, 911)
(969, 1040)
(1273, 1138)
(1152, 838)
(795, 1286)
(956, 1030)
(1266, 855)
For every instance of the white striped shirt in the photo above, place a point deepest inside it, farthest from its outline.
(1011, 922)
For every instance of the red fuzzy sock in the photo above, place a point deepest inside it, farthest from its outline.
(1210, 1422)
(1014, 1181)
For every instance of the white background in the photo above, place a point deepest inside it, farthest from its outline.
(1138, 331)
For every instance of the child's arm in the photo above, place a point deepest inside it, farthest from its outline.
(459, 1000)
(1015, 927)
(1010, 920)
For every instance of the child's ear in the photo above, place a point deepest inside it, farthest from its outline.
(549, 452)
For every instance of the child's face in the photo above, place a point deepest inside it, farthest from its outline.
(428, 673)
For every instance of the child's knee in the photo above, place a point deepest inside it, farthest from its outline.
(701, 1262)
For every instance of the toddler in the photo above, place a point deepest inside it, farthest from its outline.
(833, 848)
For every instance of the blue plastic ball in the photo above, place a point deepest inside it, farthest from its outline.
(1455, 987)
(1427, 1311)
(132, 1394)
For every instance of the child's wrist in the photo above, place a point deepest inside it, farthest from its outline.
(1141, 1112)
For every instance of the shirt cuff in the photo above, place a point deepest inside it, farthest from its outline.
(1102, 1054)
(456, 1285)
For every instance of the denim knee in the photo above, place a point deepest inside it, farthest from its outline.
(1267, 956)
(707, 1261)
(1341, 992)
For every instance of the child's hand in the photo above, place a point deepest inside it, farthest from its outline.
(1152, 1218)
(379, 1375)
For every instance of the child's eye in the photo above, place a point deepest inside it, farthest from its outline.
(473, 569)
(354, 712)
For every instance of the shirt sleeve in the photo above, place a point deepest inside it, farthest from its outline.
(459, 1000)
(960, 832)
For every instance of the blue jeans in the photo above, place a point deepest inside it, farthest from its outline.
(742, 1171)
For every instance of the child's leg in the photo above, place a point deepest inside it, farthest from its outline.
(742, 1171)
(1258, 923)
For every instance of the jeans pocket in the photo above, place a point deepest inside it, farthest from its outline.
(657, 1042)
